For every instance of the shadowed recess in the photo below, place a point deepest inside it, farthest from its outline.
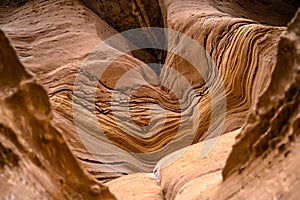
(131, 14)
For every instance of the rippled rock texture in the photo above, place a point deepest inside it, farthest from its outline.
(224, 69)
(31, 163)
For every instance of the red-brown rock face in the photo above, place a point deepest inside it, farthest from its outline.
(35, 161)
(163, 105)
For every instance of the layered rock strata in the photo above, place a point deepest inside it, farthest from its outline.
(122, 115)
(268, 146)
(35, 161)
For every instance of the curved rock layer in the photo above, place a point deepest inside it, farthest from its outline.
(120, 116)
(268, 145)
(167, 111)
(263, 163)
(187, 178)
(31, 163)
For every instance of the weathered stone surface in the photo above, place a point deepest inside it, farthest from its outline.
(12, 3)
(35, 161)
(266, 155)
(131, 14)
(271, 12)
(188, 177)
(256, 54)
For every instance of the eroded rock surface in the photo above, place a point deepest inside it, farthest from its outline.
(268, 146)
(246, 84)
(35, 161)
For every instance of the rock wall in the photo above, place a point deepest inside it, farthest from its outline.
(268, 145)
(120, 115)
(32, 164)
(273, 12)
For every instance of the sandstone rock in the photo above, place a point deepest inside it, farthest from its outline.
(266, 154)
(137, 117)
(35, 161)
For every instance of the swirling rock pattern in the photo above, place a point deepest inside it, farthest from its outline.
(58, 41)
(269, 142)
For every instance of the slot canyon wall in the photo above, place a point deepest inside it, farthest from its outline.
(86, 114)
